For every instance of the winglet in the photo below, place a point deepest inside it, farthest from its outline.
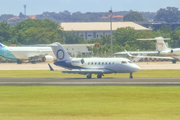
(51, 69)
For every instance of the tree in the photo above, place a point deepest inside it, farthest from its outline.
(5, 32)
(175, 36)
(134, 16)
(72, 38)
(37, 32)
(169, 15)
(123, 36)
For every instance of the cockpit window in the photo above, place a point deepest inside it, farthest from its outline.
(130, 62)
(123, 62)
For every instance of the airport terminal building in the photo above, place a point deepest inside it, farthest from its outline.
(89, 30)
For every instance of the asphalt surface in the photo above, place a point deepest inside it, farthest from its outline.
(89, 82)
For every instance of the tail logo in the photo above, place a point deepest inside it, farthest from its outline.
(60, 54)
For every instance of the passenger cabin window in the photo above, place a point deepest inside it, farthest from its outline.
(99, 63)
(88, 63)
(106, 63)
(95, 63)
(102, 63)
(92, 63)
(113, 63)
(123, 62)
(109, 63)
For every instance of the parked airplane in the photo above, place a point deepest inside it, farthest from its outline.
(139, 57)
(164, 50)
(27, 54)
(89, 66)
(173, 53)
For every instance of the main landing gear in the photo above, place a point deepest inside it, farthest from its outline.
(173, 61)
(33, 62)
(98, 76)
(19, 62)
(89, 76)
(131, 77)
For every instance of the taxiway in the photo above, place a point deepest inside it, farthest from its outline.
(89, 82)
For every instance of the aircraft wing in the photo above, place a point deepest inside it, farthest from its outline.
(137, 52)
(157, 57)
(85, 71)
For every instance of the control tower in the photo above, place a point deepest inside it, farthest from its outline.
(25, 10)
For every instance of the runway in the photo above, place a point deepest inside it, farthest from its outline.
(44, 66)
(89, 82)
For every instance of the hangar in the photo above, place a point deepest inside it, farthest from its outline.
(89, 30)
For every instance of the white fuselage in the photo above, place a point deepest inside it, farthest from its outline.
(24, 53)
(108, 65)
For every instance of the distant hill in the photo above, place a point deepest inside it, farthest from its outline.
(66, 16)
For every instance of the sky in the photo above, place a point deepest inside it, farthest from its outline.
(35, 7)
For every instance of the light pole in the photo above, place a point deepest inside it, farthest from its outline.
(111, 14)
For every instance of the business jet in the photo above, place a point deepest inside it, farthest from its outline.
(27, 54)
(89, 66)
(139, 57)
(172, 53)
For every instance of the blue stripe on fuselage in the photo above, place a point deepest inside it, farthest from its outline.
(64, 64)
(5, 53)
(69, 66)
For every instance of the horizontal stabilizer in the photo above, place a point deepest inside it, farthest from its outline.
(157, 38)
(51, 69)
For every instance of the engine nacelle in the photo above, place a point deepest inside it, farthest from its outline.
(47, 58)
(77, 61)
(175, 51)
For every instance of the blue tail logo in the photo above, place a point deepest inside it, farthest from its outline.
(60, 54)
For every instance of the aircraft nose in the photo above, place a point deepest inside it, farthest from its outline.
(138, 68)
(135, 68)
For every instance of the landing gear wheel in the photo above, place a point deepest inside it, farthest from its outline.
(19, 62)
(131, 77)
(89, 76)
(33, 62)
(99, 76)
(174, 61)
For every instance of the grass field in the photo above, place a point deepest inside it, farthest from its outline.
(89, 103)
(47, 73)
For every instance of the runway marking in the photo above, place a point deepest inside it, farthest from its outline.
(90, 83)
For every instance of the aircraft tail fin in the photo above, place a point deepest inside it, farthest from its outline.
(59, 52)
(2, 45)
(161, 45)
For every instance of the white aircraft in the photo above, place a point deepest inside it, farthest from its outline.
(27, 54)
(89, 66)
(173, 53)
(139, 57)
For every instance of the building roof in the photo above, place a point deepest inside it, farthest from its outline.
(99, 26)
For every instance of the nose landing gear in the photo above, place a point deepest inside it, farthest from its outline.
(131, 77)
(89, 76)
